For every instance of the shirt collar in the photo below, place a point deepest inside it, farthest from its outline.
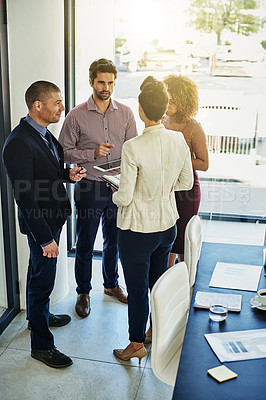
(92, 106)
(152, 128)
(39, 128)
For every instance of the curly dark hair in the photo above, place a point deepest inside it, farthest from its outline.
(184, 92)
(153, 98)
(102, 65)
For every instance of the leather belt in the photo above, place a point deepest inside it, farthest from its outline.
(93, 182)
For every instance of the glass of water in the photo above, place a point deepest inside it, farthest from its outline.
(218, 312)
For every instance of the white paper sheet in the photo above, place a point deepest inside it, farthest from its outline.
(236, 276)
(206, 299)
(238, 345)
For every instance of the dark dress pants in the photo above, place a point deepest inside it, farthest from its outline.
(187, 203)
(40, 283)
(144, 258)
(94, 202)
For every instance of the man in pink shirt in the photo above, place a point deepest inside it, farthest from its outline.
(93, 133)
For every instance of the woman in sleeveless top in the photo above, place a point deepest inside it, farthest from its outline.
(182, 108)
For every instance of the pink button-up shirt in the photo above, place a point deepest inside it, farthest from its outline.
(86, 127)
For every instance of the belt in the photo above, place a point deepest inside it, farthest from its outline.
(94, 182)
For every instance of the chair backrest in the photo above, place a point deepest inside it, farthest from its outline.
(170, 300)
(192, 249)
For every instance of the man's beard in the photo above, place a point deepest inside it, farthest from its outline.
(101, 97)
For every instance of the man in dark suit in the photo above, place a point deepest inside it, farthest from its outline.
(34, 162)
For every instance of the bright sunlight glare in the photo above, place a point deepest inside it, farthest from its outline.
(147, 20)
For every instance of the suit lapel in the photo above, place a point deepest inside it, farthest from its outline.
(36, 136)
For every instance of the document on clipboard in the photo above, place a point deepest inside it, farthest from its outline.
(113, 180)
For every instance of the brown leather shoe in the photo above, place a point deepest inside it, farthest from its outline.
(83, 305)
(118, 292)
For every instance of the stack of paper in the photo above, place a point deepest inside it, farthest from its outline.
(206, 299)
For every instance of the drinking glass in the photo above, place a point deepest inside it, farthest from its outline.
(218, 312)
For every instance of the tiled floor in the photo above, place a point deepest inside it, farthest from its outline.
(95, 374)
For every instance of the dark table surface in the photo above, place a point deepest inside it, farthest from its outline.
(197, 357)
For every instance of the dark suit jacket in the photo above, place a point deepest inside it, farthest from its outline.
(37, 182)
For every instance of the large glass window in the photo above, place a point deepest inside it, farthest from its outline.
(227, 62)
(229, 67)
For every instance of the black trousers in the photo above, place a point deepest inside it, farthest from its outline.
(94, 203)
(40, 283)
(144, 258)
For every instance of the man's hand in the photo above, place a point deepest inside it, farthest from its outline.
(77, 173)
(51, 250)
(102, 150)
(113, 189)
(115, 171)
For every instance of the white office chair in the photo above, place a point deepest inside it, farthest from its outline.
(170, 300)
(193, 243)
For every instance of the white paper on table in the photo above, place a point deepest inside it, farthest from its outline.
(206, 299)
(238, 345)
(236, 276)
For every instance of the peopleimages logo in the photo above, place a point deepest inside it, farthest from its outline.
(41, 190)
(97, 213)
(47, 213)
(226, 193)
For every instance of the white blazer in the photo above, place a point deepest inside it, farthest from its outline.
(153, 166)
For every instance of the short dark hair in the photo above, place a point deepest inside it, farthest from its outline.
(102, 65)
(39, 90)
(153, 98)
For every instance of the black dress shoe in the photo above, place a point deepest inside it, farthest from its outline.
(56, 320)
(52, 357)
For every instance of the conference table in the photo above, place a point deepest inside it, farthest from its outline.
(193, 381)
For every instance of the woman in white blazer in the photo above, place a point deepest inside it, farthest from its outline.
(154, 165)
